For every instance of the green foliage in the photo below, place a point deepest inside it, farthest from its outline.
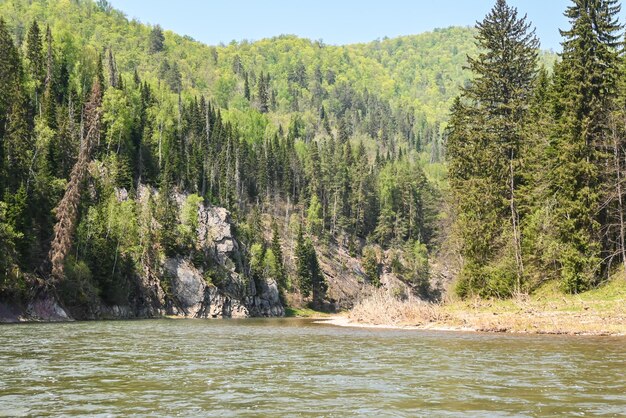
(257, 260)
(484, 144)
(419, 266)
(310, 277)
(78, 290)
(584, 89)
(314, 216)
(187, 229)
(9, 273)
(352, 142)
(34, 56)
(156, 40)
(277, 264)
(371, 265)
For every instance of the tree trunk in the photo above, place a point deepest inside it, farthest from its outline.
(515, 224)
(620, 203)
(67, 210)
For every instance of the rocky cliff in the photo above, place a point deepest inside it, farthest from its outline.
(210, 281)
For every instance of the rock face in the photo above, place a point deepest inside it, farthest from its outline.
(218, 288)
(210, 281)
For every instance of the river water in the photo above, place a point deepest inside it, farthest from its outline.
(296, 367)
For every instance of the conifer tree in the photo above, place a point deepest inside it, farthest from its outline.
(585, 85)
(49, 99)
(483, 149)
(35, 56)
(281, 275)
(246, 87)
(318, 283)
(263, 93)
(10, 78)
(66, 211)
(302, 263)
(18, 145)
(156, 41)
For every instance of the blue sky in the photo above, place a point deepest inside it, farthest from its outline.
(334, 21)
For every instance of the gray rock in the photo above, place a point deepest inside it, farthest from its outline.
(193, 297)
(186, 284)
(46, 308)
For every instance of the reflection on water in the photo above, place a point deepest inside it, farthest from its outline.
(297, 367)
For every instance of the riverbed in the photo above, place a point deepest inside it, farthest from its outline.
(299, 367)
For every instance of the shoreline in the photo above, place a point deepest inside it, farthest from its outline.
(344, 321)
(598, 312)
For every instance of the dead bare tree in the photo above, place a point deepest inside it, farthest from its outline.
(67, 210)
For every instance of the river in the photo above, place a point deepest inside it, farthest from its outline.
(296, 367)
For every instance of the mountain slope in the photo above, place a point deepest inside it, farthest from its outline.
(340, 146)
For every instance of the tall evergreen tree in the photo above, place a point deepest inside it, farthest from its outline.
(281, 275)
(263, 93)
(246, 87)
(156, 40)
(585, 86)
(483, 149)
(35, 56)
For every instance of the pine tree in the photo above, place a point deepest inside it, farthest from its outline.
(585, 85)
(18, 144)
(10, 79)
(156, 41)
(246, 87)
(302, 264)
(371, 266)
(281, 275)
(66, 211)
(112, 69)
(35, 56)
(263, 93)
(318, 283)
(483, 151)
(49, 97)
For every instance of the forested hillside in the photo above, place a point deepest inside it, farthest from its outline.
(313, 148)
(117, 138)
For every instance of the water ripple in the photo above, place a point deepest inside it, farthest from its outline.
(295, 367)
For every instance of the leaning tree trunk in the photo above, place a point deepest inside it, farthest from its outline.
(67, 210)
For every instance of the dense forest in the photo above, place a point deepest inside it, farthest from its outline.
(464, 147)
(325, 142)
(536, 159)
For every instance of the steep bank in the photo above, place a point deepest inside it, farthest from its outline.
(210, 280)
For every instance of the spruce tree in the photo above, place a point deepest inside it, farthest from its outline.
(302, 264)
(246, 87)
(318, 283)
(156, 41)
(35, 56)
(281, 275)
(18, 144)
(263, 93)
(585, 84)
(10, 78)
(483, 147)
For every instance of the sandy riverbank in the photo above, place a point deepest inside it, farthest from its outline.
(598, 312)
(344, 321)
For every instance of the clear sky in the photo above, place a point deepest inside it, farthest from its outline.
(334, 21)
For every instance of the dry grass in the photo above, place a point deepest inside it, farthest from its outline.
(598, 312)
(381, 308)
